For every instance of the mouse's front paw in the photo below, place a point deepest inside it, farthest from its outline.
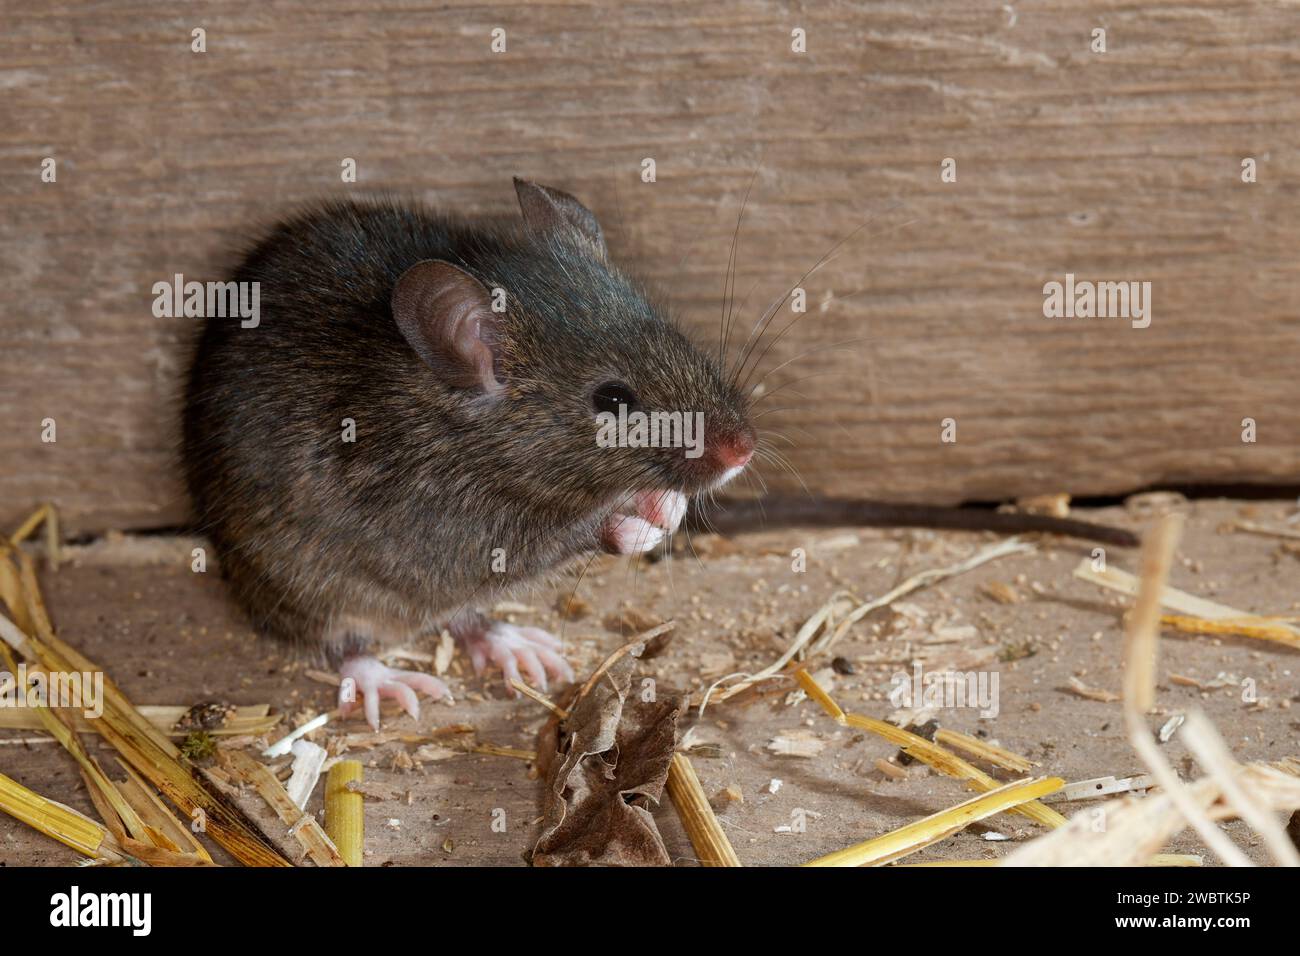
(663, 509)
(628, 534)
(372, 680)
(656, 513)
(512, 648)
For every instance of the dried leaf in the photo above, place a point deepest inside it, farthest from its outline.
(612, 763)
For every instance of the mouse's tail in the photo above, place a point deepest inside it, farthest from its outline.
(740, 515)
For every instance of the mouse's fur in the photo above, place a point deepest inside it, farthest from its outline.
(337, 543)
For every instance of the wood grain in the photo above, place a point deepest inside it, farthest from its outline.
(1116, 166)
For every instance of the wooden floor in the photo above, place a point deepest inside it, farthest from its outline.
(169, 636)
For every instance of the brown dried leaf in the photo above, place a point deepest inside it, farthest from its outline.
(611, 763)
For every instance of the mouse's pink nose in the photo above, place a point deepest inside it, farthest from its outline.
(734, 451)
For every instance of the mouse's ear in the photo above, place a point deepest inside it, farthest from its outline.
(446, 315)
(550, 211)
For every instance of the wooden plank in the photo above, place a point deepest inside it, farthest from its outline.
(1115, 166)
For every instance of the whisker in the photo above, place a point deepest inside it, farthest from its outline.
(783, 408)
(795, 381)
(729, 281)
(802, 355)
(789, 325)
(760, 327)
(780, 460)
(764, 322)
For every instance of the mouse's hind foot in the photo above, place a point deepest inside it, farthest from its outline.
(517, 651)
(366, 678)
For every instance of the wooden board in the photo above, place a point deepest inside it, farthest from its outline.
(1117, 166)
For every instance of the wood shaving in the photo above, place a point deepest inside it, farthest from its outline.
(1080, 689)
(796, 743)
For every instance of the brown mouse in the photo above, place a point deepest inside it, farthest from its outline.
(413, 428)
(420, 422)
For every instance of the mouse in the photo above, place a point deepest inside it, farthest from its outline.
(412, 430)
(416, 427)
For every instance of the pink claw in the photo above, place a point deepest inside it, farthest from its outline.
(372, 680)
(514, 648)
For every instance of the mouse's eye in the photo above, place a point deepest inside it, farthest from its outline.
(608, 397)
